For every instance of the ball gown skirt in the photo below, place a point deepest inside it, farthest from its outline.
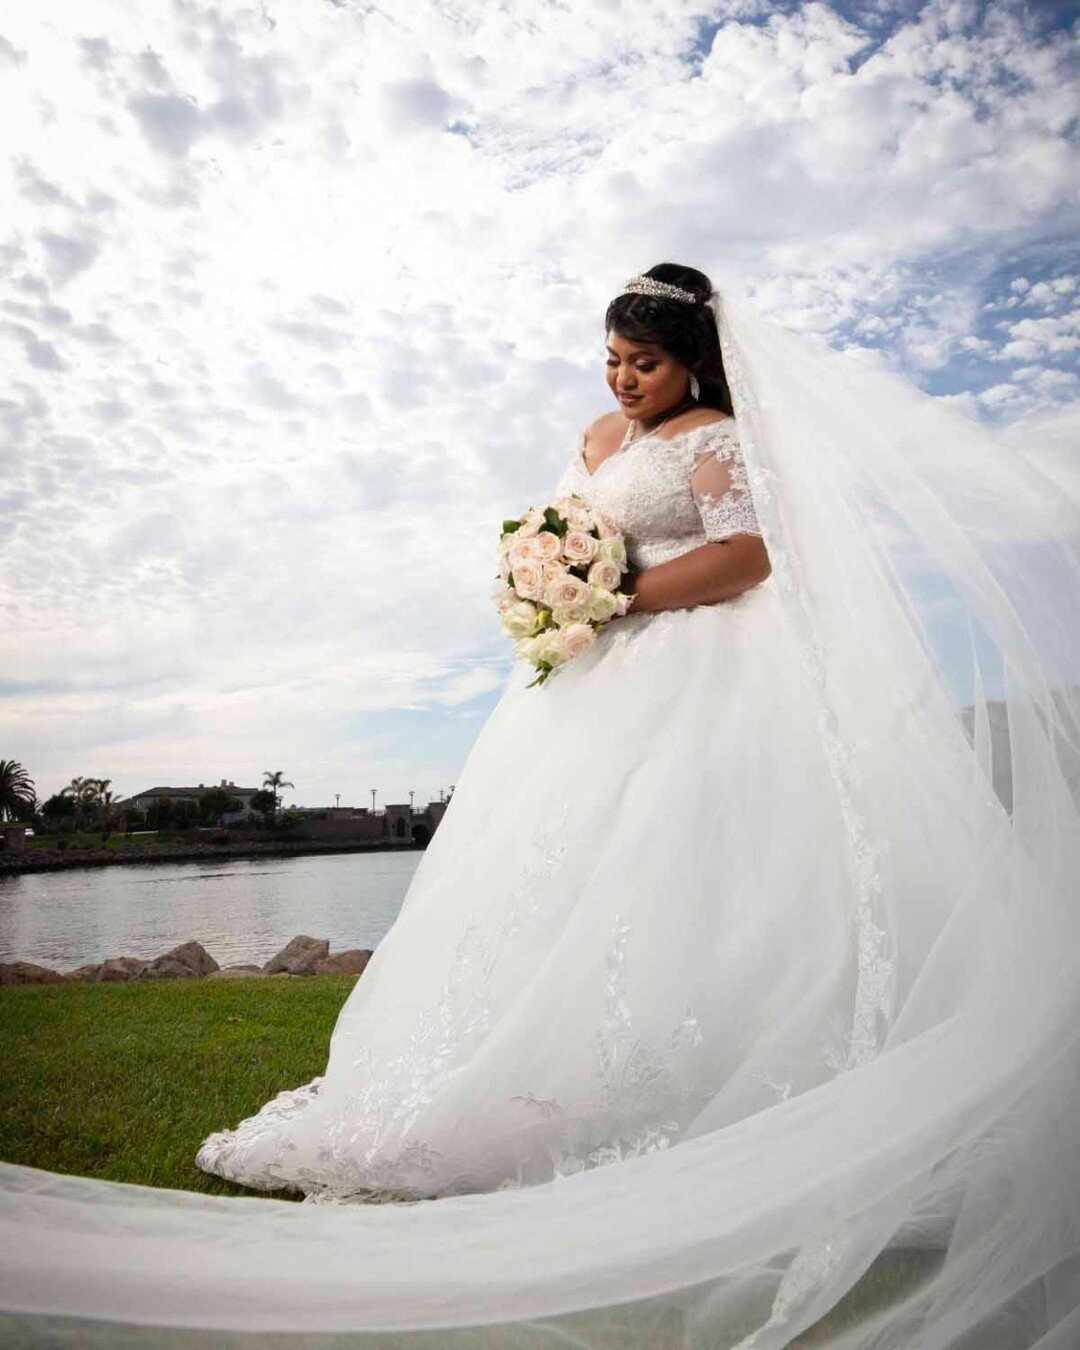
(637, 904)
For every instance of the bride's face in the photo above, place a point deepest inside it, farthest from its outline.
(647, 381)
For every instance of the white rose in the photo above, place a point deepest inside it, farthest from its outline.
(549, 647)
(527, 647)
(530, 523)
(520, 620)
(623, 601)
(576, 639)
(575, 512)
(567, 614)
(602, 604)
(612, 549)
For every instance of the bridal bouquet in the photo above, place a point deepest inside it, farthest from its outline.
(560, 567)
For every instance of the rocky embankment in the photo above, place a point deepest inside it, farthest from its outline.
(191, 960)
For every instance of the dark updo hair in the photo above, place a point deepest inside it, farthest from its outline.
(687, 332)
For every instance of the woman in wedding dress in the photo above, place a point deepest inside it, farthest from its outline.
(591, 952)
(743, 972)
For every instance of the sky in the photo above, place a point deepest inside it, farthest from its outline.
(300, 299)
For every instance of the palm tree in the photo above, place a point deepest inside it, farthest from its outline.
(17, 794)
(78, 790)
(91, 797)
(107, 805)
(275, 781)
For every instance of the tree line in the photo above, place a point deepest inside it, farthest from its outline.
(88, 803)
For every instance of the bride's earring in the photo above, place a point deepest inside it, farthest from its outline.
(695, 388)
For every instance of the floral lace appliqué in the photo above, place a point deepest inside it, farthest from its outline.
(369, 1154)
(646, 490)
(370, 1150)
(638, 1089)
(721, 489)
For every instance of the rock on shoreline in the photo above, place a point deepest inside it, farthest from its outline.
(302, 956)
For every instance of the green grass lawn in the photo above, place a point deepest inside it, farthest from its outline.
(163, 841)
(124, 1081)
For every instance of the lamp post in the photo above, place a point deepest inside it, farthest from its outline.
(373, 791)
(337, 799)
(412, 794)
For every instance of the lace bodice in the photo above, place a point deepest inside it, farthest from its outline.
(669, 495)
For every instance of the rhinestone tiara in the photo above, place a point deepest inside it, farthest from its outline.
(662, 290)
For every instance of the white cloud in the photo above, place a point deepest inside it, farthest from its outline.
(302, 300)
(1029, 339)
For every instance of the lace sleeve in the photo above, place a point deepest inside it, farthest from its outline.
(718, 482)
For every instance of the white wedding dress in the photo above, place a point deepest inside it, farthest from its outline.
(742, 974)
(590, 952)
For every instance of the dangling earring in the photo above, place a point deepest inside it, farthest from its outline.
(695, 388)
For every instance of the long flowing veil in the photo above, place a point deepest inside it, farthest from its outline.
(928, 1192)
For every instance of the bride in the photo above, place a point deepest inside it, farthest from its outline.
(584, 959)
(737, 992)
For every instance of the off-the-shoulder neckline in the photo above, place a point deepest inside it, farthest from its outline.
(720, 425)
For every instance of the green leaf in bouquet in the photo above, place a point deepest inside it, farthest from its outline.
(545, 670)
(509, 526)
(553, 522)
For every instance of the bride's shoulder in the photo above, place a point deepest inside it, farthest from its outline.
(702, 430)
(609, 425)
(697, 418)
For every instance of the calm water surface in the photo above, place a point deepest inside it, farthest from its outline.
(241, 909)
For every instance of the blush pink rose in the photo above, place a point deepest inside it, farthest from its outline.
(546, 546)
(529, 581)
(524, 550)
(555, 570)
(504, 597)
(576, 639)
(605, 574)
(578, 547)
(566, 590)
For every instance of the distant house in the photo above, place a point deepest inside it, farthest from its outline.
(397, 822)
(142, 801)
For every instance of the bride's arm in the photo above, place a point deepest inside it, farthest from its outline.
(718, 570)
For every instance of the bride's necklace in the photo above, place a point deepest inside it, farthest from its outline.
(630, 438)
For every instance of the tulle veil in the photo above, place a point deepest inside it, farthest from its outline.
(927, 1194)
